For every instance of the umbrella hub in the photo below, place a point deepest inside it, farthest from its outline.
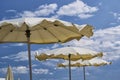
(27, 33)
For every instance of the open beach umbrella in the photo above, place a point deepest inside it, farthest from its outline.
(9, 75)
(83, 63)
(69, 53)
(75, 53)
(40, 31)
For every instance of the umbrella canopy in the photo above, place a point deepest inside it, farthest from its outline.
(76, 53)
(42, 31)
(81, 63)
(9, 75)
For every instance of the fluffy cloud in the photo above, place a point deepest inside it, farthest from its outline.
(77, 8)
(25, 70)
(83, 16)
(3, 70)
(51, 63)
(55, 46)
(40, 71)
(20, 69)
(43, 10)
(21, 56)
(18, 44)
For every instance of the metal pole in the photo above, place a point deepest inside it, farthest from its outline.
(29, 53)
(84, 72)
(69, 66)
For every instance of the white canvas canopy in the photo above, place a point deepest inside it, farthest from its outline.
(83, 63)
(62, 53)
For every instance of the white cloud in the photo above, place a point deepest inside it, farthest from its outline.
(51, 63)
(18, 44)
(43, 10)
(11, 10)
(46, 9)
(55, 45)
(3, 70)
(40, 71)
(20, 69)
(5, 57)
(2, 78)
(77, 8)
(27, 14)
(21, 56)
(83, 16)
(40, 50)
(24, 70)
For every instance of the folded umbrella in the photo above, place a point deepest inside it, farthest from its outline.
(9, 75)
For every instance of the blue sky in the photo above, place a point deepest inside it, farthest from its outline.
(104, 15)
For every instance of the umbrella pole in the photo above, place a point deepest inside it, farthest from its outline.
(84, 72)
(29, 53)
(69, 66)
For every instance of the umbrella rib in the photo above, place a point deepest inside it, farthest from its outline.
(70, 29)
(59, 31)
(52, 34)
(61, 25)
